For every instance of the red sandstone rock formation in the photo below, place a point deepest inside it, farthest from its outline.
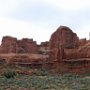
(65, 37)
(65, 50)
(44, 48)
(73, 54)
(82, 42)
(84, 51)
(45, 44)
(23, 59)
(8, 45)
(26, 46)
(62, 39)
(12, 45)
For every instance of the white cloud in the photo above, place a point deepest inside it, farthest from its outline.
(22, 29)
(69, 4)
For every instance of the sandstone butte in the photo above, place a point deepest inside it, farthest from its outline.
(64, 51)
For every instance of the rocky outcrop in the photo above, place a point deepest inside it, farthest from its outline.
(8, 45)
(64, 49)
(82, 42)
(26, 46)
(12, 45)
(68, 52)
(43, 48)
(84, 51)
(63, 38)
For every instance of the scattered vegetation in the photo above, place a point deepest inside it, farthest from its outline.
(42, 80)
(41, 72)
(9, 74)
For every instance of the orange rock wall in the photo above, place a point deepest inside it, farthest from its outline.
(12, 45)
(65, 45)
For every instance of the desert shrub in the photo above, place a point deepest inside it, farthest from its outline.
(9, 74)
(41, 72)
(54, 82)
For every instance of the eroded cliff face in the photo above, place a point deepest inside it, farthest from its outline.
(26, 46)
(12, 45)
(69, 53)
(8, 45)
(65, 44)
(44, 48)
(64, 49)
(63, 38)
(84, 51)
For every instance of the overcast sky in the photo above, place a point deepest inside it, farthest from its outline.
(38, 19)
